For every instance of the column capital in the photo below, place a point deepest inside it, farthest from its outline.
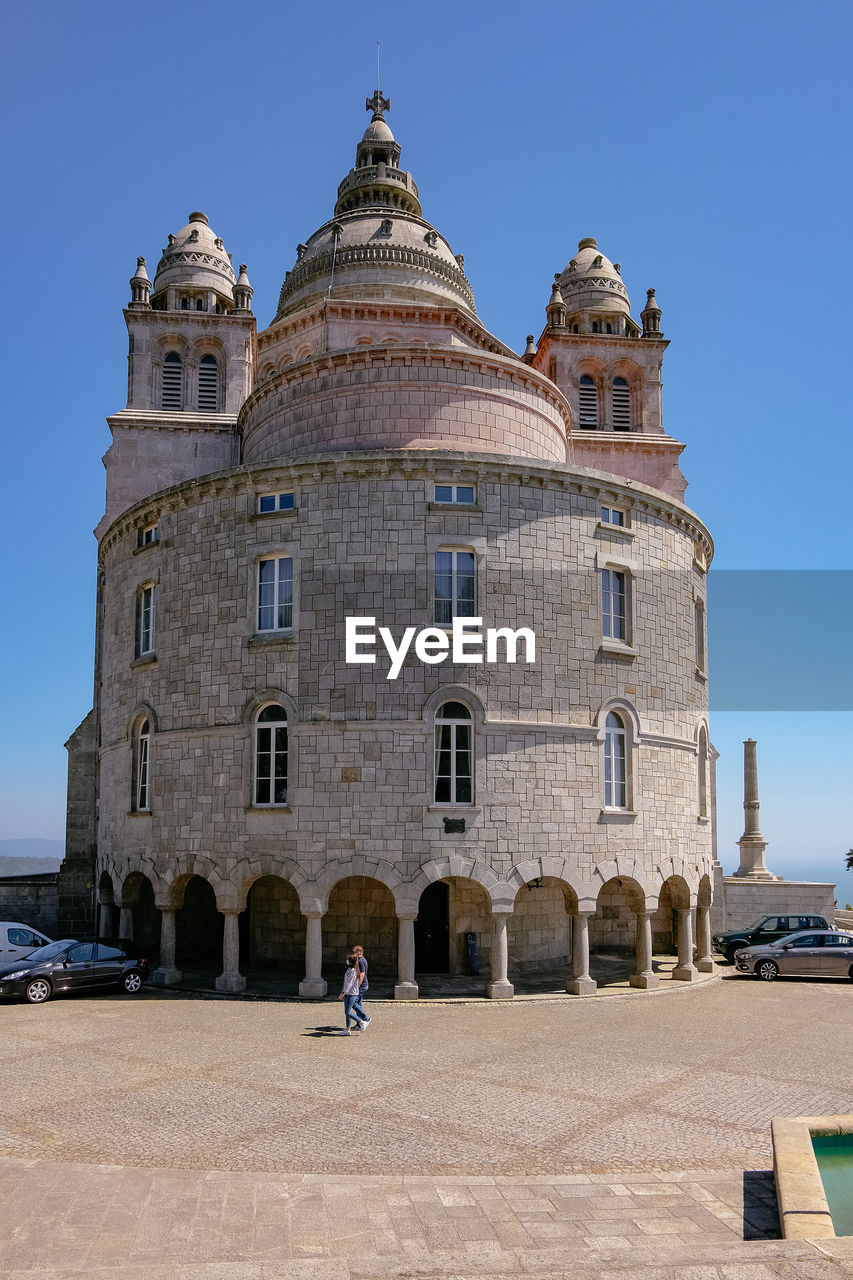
(407, 915)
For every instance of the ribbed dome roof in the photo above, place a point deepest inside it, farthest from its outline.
(591, 282)
(195, 258)
(378, 131)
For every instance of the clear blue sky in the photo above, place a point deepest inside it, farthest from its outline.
(705, 146)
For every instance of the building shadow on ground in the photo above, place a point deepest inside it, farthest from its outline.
(760, 1207)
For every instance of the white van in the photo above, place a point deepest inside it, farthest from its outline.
(18, 940)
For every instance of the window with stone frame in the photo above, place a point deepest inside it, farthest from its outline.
(275, 593)
(270, 771)
(461, 494)
(615, 762)
(454, 754)
(141, 798)
(614, 604)
(454, 585)
(620, 404)
(208, 384)
(146, 619)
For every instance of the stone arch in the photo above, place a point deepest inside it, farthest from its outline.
(461, 867)
(142, 711)
(454, 693)
(272, 933)
(539, 930)
(138, 899)
(182, 870)
(680, 869)
(360, 909)
(250, 870)
(199, 925)
(704, 892)
(106, 889)
(621, 898)
(314, 895)
(257, 701)
(620, 705)
(172, 342)
(674, 895)
(463, 906)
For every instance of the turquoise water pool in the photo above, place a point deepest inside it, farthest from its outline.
(834, 1155)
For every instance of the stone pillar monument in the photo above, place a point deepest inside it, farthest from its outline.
(752, 844)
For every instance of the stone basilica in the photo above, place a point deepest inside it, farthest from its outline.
(241, 797)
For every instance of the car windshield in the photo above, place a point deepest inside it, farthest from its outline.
(759, 923)
(52, 950)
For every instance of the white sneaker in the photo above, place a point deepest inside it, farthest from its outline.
(366, 1023)
(362, 1026)
(345, 1033)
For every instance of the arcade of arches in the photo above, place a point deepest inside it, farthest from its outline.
(454, 927)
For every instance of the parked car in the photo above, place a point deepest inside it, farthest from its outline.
(765, 929)
(75, 964)
(827, 953)
(18, 940)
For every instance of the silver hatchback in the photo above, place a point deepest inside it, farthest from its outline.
(818, 953)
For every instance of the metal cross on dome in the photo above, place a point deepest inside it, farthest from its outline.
(377, 104)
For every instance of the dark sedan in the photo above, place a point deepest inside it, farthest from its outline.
(75, 964)
(825, 953)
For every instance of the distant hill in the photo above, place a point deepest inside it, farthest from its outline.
(30, 857)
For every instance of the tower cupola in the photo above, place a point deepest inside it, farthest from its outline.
(195, 272)
(650, 316)
(377, 178)
(140, 286)
(592, 283)
(243, 292)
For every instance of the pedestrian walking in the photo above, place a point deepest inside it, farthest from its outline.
(349, 993)
(358, 952)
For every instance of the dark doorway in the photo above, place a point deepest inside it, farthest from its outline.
(432, 930)
(199, 925)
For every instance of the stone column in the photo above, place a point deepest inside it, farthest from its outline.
(580, 983)
(231, 979)
(407, 987)
(105, 920)
(313, 985)
(500, 988)
(752, 843)
(125, 924)
(685, 970)
(645, 977)
(705, 961)
(167, 975)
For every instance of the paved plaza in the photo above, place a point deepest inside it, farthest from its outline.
(196, 1138)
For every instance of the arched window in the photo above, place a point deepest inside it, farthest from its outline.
(588, 402)
(702, 779)
(172, 396)
(454, 754)
(208, 384)
(271, 756)
(142, 769)
(615, 763)
(621, 405)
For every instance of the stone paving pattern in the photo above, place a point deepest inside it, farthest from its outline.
(169, 1137)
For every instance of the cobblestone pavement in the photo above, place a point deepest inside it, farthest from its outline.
(165, 1137)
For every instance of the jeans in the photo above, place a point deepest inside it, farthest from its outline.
(349, 1006)
(358, 1008)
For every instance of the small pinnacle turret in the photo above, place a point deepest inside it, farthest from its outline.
(140, 286)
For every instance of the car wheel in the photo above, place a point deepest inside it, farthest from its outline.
(767, 970)
(132, 982)
(38, 991)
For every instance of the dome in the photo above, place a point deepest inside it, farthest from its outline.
(591, 282)
(195, 258)
(378, 131)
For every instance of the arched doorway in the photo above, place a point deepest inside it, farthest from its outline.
(539, 931)
(137, 899)
(361, 910)
(432, 929)
(455, 927)
(272, 928)
(107, 923)
(198, 928)
(613, 930)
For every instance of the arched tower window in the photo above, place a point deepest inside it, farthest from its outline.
(588, 402)
(615, 763)
(208, 384)
(454, 754)
(172, 396)
(271, 756)
(621, 404)
(142, 770)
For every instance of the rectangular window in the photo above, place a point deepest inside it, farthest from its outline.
(614, 618)
(275, 594)
(699, 634)
(453, 764)
(612, 515)
(145, 621)
(144, 537)
(271, 764)
(454, 586)
(458, 493)
(142, 774)
(275, 502)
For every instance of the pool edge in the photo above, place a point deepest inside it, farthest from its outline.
(803, 1209)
